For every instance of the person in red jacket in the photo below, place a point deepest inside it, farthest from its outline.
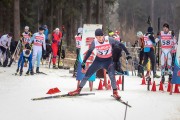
(56, 41)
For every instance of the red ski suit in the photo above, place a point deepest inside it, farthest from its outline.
(56, 39)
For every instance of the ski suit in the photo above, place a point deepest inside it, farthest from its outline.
(4, 45)
(103, 59)
(22, 58)
(25, 38)
(116, 54)
(38, 41)
(78, 39)
(56, 40)
(149, 42)
(168, 44)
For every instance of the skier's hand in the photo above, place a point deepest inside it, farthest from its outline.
(83, 65)
(128, 57)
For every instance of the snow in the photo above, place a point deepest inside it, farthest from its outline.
(17, 91)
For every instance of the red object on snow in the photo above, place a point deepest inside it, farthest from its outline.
(161, 87)
(153, 87)
(53, 91)
(120, 80)
(100, 87)
(169, 87)
(143, 81)
(176, 90)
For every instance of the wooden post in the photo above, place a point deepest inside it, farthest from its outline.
(105, 79)
(122, 82)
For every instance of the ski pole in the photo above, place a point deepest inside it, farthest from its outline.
(125, 111)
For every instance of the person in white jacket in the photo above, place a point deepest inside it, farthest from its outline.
(38, 40)
(5, 42)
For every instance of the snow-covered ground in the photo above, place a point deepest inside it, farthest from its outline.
(16, 93)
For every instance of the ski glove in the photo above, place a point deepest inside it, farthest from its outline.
(83, 65)
(128, 57)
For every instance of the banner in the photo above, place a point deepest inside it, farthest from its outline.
(176, 72)
(87, 37)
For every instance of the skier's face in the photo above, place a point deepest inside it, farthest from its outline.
(165, 29)
(41, 31)
(26, 30)
(100, 39)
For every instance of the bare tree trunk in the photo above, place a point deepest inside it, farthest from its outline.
(51, 19)
(16, 20)
(88, 3)
(103, 15)
(44, 11)
(152, 13)
(97, 12)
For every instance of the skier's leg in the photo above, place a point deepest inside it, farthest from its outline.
(153, 62)
(96, 65)
(163, 65)
(111, 72)
(144, 63)
(169, 65)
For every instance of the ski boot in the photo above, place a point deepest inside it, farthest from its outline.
(32, 72)
(156, 76)
(27, 73)
(76, 92)
(17, 70)
(0, 64)
(21, 71)
(163, 79)
(116, 95)
(54, 67)
(170, 77)
(37, 70)
(139, 75)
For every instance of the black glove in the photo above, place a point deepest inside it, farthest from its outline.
(128, 57)
(83, 65)
(63, 54)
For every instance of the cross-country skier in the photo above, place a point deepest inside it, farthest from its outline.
(25, 36)
(103, 45)
(141, 55)
(26, 55)
(56, 41)
(168, 44)
(78, 39)
(5, 42)
(149, 43)
(116, 54)
(38, 40)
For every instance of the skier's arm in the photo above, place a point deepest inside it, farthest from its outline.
(20, 59)
(89, 51)
(44, 43)
(30, 62)
(115, 42)
(151, 37)
(9, 43)
(32, 39)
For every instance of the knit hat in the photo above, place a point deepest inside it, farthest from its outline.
(166, 25)
(98, 32)
(150, 30)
